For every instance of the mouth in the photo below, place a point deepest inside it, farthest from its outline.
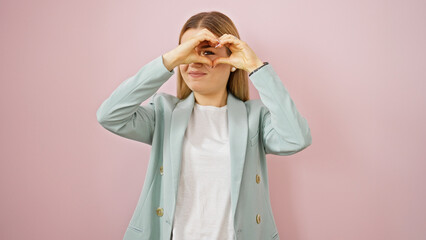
(196, 74)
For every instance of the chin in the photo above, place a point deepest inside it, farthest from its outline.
(196, 88)
(199, 89)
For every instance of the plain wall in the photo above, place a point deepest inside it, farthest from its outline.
(356, 71)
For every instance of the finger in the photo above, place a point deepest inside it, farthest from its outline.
(211, 44)
(204, 41)
(229, 41)
(209, 33)
(211, 40)
(204, 60)
(228, 36)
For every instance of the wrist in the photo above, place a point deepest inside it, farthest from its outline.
(169, 61)
(258, 64)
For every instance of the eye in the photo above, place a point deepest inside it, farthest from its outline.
(204, 53)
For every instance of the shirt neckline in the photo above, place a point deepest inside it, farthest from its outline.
(207, 107)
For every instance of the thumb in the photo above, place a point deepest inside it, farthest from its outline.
(205, 60)
(221, 60)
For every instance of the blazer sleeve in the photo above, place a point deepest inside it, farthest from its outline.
(121, 112)
(285, 130)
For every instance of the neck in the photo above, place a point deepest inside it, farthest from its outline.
(217, 99)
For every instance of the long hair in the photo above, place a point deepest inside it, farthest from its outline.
(219, 24)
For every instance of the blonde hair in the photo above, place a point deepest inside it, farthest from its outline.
(219, 24)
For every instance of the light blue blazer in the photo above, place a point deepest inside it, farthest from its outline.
(269, 125)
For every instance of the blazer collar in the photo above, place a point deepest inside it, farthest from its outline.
(238, 131)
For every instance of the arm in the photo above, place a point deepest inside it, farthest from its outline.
(285, 131)
(121, 112)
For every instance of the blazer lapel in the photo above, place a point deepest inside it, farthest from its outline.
(238, 131)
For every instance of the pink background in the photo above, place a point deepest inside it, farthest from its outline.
(355, 69)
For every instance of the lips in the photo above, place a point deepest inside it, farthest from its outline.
(196, 73)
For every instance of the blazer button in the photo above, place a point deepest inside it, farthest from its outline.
(257, 178)
(161, 170)
(160, 212)
(258, 218)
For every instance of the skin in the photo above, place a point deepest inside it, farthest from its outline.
(209, 89)
(213, 60)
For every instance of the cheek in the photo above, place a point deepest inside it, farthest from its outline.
(220, 73)
(183, 68)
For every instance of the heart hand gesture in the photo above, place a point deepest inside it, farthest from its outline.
(188, 51)
(242, 56)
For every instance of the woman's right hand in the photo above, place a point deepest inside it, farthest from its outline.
(189, 52)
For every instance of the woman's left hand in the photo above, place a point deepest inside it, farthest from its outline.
(242, 55)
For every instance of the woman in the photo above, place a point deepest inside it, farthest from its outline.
(207, 173)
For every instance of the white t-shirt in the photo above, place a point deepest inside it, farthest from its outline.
(203, 207)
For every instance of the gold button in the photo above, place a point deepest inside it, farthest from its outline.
(160, 212)
(257, 178)
(161, 170)
(258, 218)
